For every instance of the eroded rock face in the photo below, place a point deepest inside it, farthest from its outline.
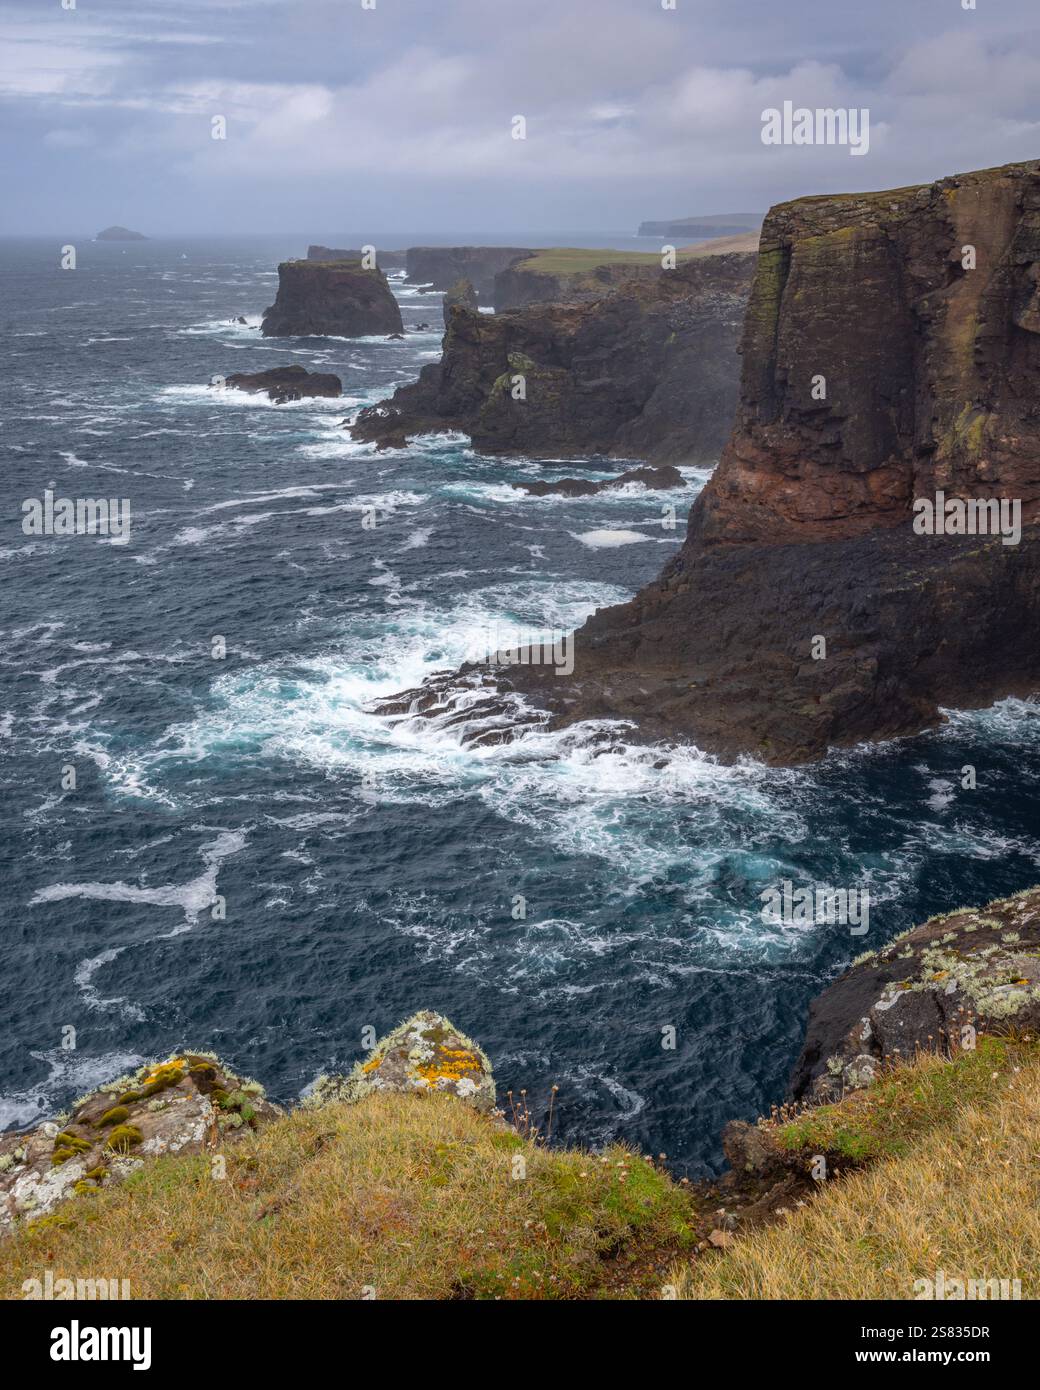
(287, 383)
(648, 371)
(331, 298)
(187, 1104)
(461, 293)
(930, 376)
(443, 266)
(976, 970)
(425, 1053)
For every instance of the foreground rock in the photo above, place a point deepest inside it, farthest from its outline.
(287, 383)
(647, 371)
(425, 1053)
(444, 266)
(654, 478)
(189, 1103)
(976, 970)
(877, 370)
(331, 298)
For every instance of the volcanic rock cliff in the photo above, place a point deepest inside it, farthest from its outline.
(891, 351)
(648, 371)
(444, 266)
(334, 298)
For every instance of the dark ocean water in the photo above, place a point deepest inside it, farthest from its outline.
(369, 868)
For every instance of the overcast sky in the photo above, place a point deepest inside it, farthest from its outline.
(398, 118)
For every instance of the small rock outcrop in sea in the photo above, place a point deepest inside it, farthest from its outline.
(655, 478)
(976, 970)
(385, 260)
(331, 298)
(462, 293)
(120, 234)
(648, 371)
(425, 1053)
(287, 383)
(807, 607)
(444, 266)
(189, 1103)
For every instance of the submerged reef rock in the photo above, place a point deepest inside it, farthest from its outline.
(444, 266)
(287, 383)
(647, 371)
(807, 607)
(976, 970)
(331, 299)
(425, 1053)
(189, 1103)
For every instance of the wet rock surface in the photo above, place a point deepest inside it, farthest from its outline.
(287, 383)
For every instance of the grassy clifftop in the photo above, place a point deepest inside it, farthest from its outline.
(421, 1196)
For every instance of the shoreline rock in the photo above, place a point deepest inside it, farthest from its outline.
(286, 383)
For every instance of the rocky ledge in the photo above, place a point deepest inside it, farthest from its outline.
(287, 383)
(935, 988)
(385, 260)
(331, 298)
(807, 607)
(647, 371)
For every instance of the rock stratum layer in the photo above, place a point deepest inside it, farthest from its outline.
(331, 298)
(931, 373)
(646, 371)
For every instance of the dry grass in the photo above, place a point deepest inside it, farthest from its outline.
(408, 1197)
(963, 1197)
(576, 260)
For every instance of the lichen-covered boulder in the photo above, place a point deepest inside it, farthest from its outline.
(425, 1053)
(186, 1104)
(976, 970)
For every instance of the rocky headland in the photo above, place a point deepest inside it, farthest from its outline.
(461, 293)
(648, 370)
(891, 352)
(283, 384)
(717, 224)
(331, 298)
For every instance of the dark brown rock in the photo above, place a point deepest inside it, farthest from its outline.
(932, 383)
(287, 383)
(331, 298)
(461, 293)
(647, 371)
(655, 478)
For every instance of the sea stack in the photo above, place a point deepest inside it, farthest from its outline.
(891, 353)
(331, 298)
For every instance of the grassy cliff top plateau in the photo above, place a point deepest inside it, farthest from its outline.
(577, 260)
